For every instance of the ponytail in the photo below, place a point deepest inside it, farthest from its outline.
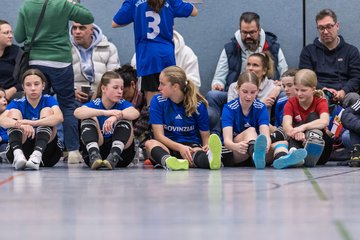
(156, 5)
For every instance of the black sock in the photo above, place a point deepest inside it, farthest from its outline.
(120, 137)
(250, 150)
(201, 160)
(43, 134)
(278, 135)
(15, 138)
(89, 135)
(159, 155)
(279, 155)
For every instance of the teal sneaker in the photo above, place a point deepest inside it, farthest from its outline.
(214, 152)
(294, 158)
(175, 164)
(260, 152)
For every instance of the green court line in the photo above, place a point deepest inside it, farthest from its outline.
(343, 231)
(315, 185)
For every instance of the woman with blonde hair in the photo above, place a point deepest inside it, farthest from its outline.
(180, 125)
(306, 117)
(106, 128)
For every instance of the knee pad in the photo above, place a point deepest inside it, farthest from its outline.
(89, 131)
(314, 145)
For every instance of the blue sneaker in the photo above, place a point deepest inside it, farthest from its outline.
(214, 152)
(260, 152)
(291, 159)
(314, 148)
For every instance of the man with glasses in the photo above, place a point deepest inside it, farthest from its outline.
(336, 63)
(250, 38)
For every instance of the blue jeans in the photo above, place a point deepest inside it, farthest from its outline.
(61, 80)
(217, 100)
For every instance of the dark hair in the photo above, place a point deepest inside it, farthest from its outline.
(33, 71)
(105, 80)
(156, 5)
(248, 17)
(324, 13)
(3, 22)
(290, 72)
(128, 74)
(2, 90)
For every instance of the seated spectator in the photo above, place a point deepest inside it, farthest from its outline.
(351, 120)
(185, 58)
(335, 62)
(92, 56)
(306, 117)
(249, 39)
(106, 129)
(246, 133)
(8, 56)
(31, 122)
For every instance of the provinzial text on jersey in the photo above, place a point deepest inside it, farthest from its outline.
(179, 129)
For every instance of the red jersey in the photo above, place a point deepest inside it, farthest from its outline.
(299, 114)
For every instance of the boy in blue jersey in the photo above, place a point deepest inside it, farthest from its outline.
(180, 124)
(246, 133)
(153, 29)
(106, 128)
(31, 122)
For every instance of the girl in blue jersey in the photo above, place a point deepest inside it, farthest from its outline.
(31, 122)
(180, 124)
(106, 129)
(242, 120)
(153, 28)
(3, 134)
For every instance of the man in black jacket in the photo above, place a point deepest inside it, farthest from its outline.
(336, 63)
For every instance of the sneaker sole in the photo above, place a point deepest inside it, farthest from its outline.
(292, 159)
(96, 164)
(314, 153)
(107, 164)
(260, 152)
(32, 165)
(175, 164)
(215, 146)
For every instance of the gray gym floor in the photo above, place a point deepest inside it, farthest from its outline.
(144, 203)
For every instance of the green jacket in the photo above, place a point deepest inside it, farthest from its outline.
(52, 42)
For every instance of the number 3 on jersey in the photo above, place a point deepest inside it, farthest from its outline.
(154, 25)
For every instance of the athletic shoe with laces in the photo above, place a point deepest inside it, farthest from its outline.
(74, 157)
(111, 160)
(292, 159)
(175, 164)
(214, 152)
(95, 160)
(260, 152)
(355, 156)
(19, 162)
(34, 160)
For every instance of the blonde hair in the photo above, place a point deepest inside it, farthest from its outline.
(267, 62)
(248, 77)
(176, 75)
(105, 80)
(307, 78)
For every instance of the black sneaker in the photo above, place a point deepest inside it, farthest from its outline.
(95, 160)
(111, 160)
(355, 156)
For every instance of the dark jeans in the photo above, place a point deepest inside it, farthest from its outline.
(216, 100)
(61, 80)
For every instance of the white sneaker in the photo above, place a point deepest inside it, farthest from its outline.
(74, 157)
(34, 160)
(19, 161)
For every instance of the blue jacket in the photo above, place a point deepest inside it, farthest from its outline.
(233, 52)
(338, 68)
(350, 118)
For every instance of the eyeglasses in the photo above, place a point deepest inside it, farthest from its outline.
(251, 33)
(7, 33)
(327, 27)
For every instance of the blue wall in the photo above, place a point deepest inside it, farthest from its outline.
(219, 19)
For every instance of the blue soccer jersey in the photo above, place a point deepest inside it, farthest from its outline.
(28, 111)
(279, 110)
(232, 116)
(177, 126)
(153, 31)
(97, 104)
